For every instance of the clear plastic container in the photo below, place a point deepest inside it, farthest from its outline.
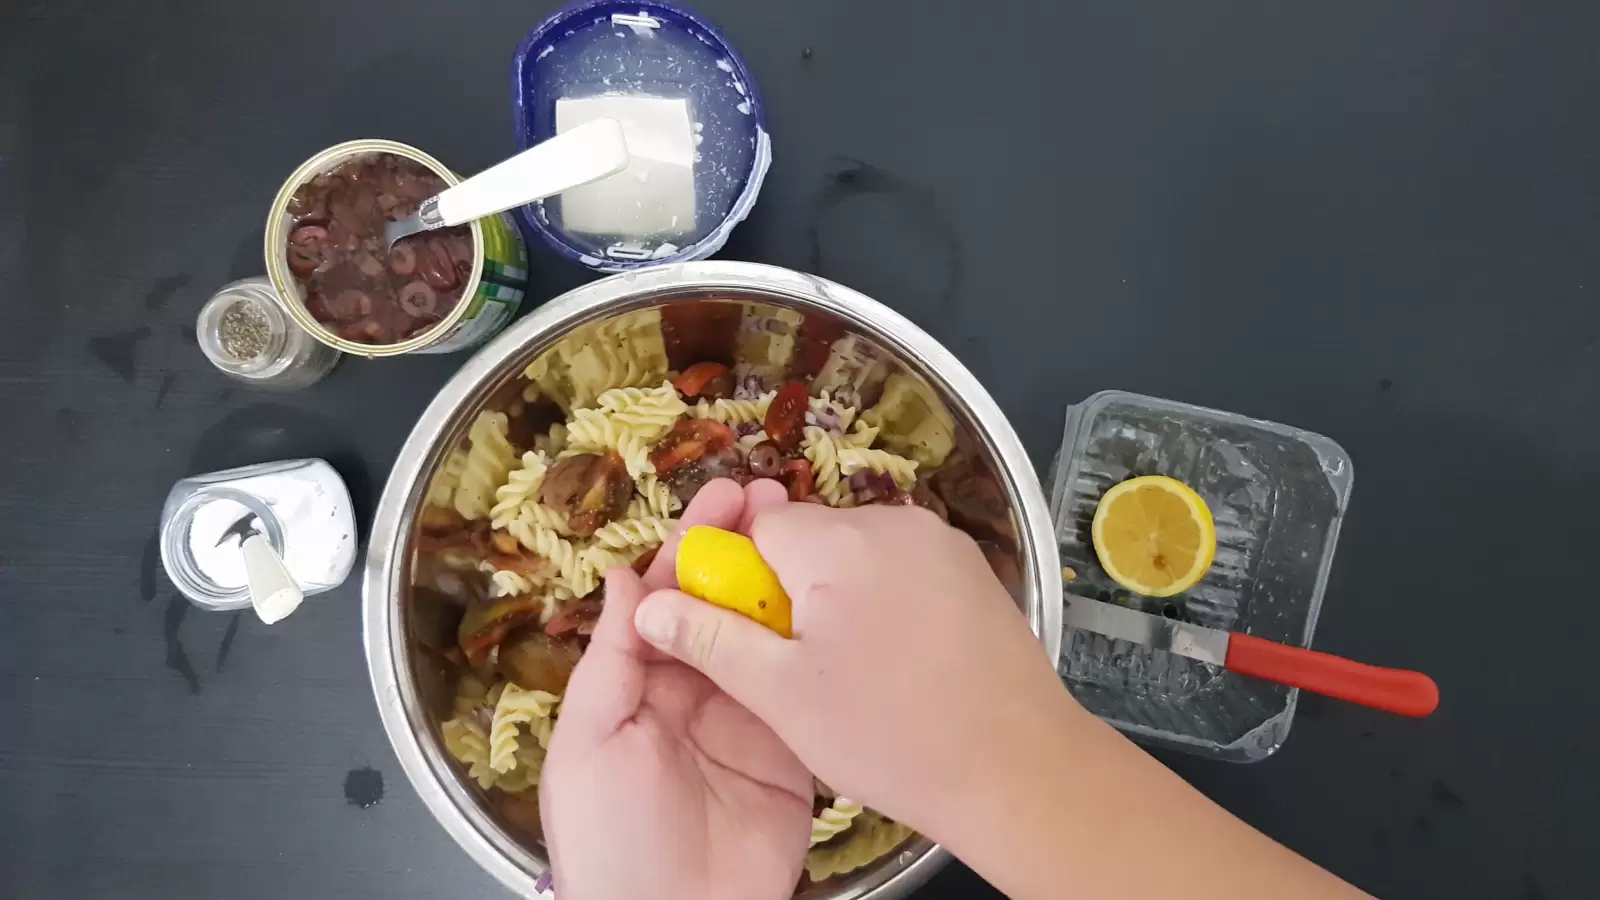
(302, 507)
(1278, 495)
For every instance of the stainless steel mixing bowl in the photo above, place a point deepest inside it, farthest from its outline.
(410, 682)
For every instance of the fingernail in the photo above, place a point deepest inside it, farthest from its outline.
(655, 624)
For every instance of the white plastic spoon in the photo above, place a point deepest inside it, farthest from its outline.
(588, 153)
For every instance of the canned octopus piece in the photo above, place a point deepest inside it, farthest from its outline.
(436, 292)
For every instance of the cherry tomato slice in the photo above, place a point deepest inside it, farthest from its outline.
(688, 441)
(575, 616)
(797, 476)
(483, 627)
(711, 380)
(786, 417)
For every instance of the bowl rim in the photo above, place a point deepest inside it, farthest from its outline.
(394, 688)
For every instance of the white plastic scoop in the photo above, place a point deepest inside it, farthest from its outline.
(577, 157)
(273, 591)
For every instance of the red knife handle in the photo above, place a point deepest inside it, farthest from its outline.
(1392, 690)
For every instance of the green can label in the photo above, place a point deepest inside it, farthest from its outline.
(501, 287)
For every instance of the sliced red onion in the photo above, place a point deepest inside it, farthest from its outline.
(483, 717)
(545, 883)
(745, 429)
(866, 486)
(827, 419)
(748, 388)
(886, 483)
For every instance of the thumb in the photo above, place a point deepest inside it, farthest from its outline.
(740, 656)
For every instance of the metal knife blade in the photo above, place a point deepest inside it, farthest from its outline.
(1194, 641)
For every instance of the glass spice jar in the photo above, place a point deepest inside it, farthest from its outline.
(247, 335)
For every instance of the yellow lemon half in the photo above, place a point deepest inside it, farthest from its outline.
(724, 569)
(1154, 535)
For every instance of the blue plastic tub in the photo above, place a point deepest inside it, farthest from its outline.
(653, 49)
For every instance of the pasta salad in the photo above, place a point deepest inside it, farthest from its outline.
(587, 467)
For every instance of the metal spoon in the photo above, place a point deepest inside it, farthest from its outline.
(590, 152)
(273, 591)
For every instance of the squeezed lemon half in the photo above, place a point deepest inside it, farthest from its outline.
(725, 569)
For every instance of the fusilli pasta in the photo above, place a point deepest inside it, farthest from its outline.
(860, 437)
(515, 707)
(550, 545)
(555, 597)
(506, 583)
(541, 516)
(904, 471)
(871, 837)
(595, 431)
(467, 742)
(489, 458)
(627, 351)
(833, 819)
(823, 452)
(647, 412)
(658, 499)
(733, 412)
(520, 489)
(643, 532)
(442, 490)
(525, 774)
(597, 559)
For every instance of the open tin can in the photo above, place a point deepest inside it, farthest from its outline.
(494, 288)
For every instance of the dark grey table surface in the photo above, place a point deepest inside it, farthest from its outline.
(1378, 221)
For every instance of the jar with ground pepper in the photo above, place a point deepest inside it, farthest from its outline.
(247, 335)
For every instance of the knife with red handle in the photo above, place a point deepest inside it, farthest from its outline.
(1393, 690)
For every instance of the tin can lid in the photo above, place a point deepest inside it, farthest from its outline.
(692, 116)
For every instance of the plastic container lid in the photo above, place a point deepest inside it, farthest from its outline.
(692, 115)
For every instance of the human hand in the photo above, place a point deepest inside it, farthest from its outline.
(658, 784)
(909, 664)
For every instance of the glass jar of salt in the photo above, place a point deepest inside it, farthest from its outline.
(247, 335)
(302, 508)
